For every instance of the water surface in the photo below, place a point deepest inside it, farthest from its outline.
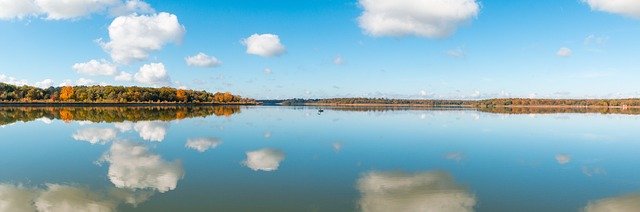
(296, 159)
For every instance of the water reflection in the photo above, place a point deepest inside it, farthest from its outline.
(10, 115)
(400, 191)
(96, 135)
(625, 203)
(203, 144)
(62, 198)
(151, 130)
(132, 166)
(264, 159)
(563, 159)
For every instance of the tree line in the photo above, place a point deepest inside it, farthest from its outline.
(470, 103)
(113, 94)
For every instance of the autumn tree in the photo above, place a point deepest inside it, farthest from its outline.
(66, 93)
(181, 95)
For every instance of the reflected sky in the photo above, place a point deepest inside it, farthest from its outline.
(291, 159)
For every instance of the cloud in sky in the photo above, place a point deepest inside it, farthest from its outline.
(456, 53)
(44, 83)
(203, 144)
(399, 191)
(80, 81)
(203, 60)
(124, 77)
(595, 40)
(425, 18)
(132, 166)
(96, 68)
(265, 45)
(96, 135)
(151, 130)
(133, 37)
(629, 8)
(12, 80)
(69, 9)
(153, 74)
(564, 52)
(264, 159)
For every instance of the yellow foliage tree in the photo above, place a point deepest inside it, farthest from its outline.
(66, 93)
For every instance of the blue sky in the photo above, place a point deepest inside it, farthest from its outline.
(456, 49)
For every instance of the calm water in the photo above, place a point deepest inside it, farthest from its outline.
(294, 159)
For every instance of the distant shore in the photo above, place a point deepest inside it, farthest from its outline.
(461, 106)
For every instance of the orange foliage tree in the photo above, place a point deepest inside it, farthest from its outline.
(66, 93)
(181, 95)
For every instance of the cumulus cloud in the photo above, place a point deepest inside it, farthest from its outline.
(44, 83)
(16, 198)
(264, 159)
(203, 60)
(123, 127)
(96, 68)
(399, 191)
(203, 144)
(11, 9)
(12, 80)
(425, 18)
(81, 81)
(153, 73)
(563, 158)
(96, 135)
(629, 8)
(152, 130)
(132, 166)
(265, 45)
(630, 202)
(564, 52)
(63, 10)
(124, 76)
(134, 36)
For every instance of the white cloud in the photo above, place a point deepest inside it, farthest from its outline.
(564, 52)
(264, 159)
(124, 76)
(10, 9)
(338, 61)
(397, 191)
(426, 18)
(44, 83)
(629, 8)
(152, 130)
(69, 9)
(203, 60)
(266, 45)
(563, 158)
(96, 135)
(134, 36)
(630, 202)
(96, 68)
(83, 81)
(130, 7)
(267, 71)
(133, 167)
(203, 144)
(153, 73)
(13, 81)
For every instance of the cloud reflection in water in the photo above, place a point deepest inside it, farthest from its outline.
(434, 191)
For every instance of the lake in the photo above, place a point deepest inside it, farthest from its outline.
(270, 158)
